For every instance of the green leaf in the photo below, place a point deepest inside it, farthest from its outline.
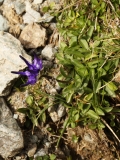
(23, 110)
(29, 100)
(52, 156)
(95, 44)
(90, 32)
(92, 114)
(108, 109)
(110, 92)
(84, 44)
(88, 97)
(112, 86)
(100, 112)
(75, 139)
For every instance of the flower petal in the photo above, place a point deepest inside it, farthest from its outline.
(37, 63)
(26, 73)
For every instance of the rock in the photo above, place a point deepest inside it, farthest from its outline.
(117, 77)
(37, 1)
(48, 52)
(11, 15)
(32, 149)
(4, 25)
(11, 139)
(33, 36)
(54, 116)
(34, 139)
(46, 18)
(47, 64)
(17, 101)
(31, 15)
(1, 1)
(19, 6)
(41, 152)
(10, 49)
(61, 110)
(52, 26)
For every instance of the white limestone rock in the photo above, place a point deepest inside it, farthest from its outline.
(10, 49)
(4, 24)
(37, 1)
(19, 6)
(11, 139)
(48, 52)
(33, 36)
(61, 111)
(31, 15)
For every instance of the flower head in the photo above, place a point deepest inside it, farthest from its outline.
(32, 71)
(36, 63)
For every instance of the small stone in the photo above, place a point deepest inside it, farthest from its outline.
(46, 18)
(37, 1)
(47, 64)
(15, 116)
(48, 52)
(54, 116)
(61, 111)
(33, 36)
(41, 152)
(19, 7)
(31, 15)
(88, 138)
(47, 144)
(17, 158)
(32, 149)
(4, 25)
(52, 26)
(34, 139)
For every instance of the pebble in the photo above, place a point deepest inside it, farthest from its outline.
(4, 25)
(41, 152)
(61, 111)
(32, 150)
(37, 1)
(19, 7)
(33, 36)
(34, 139)
(48, 52)
(46, 18)
(31, 15)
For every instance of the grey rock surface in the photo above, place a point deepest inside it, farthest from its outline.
(1, 1)
(11, 139)
(19, 6)
(4, 24)
(48, 52)
(37, 1)
(31, 15)
(33, 36)
(10, 49)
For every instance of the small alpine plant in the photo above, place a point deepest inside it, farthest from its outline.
(32, 70)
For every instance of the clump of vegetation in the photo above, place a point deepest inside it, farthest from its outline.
(89, 56)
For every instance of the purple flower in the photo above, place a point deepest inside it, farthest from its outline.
(33, 70)
(36, 63)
